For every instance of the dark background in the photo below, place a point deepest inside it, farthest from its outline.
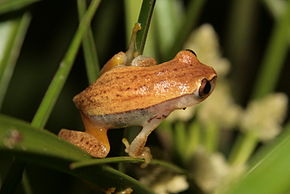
(52, 28)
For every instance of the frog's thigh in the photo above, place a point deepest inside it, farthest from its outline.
(94, 140)
(85, 141)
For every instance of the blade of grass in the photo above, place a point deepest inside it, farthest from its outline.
(194, 138)
(267, 79)
(144, 19)
(274, 57)
(269, 173)
(58, 81)
(167, 19)
(11, 51)
(180, 139)
(8, 6)
(89, 47)
(44, 148)
(131, 12)
(191, 16)
(211, 133)
(243, 148)
(61, 75)
(93, 162)
(277, 8)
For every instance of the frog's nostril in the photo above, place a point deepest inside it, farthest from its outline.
(205, 88)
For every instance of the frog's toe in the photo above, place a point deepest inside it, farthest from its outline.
(143, 153)
(86, 142)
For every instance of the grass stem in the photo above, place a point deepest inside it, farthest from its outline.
(11, 52)
(274, 57)
(243, 149)
(191, 16)
(61, 75)
(144, 19)
(89, 47)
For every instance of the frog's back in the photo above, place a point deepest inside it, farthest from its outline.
(129, 88)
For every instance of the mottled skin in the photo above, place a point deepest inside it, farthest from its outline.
(143, 94)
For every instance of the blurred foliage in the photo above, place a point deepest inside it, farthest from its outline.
(201, 150)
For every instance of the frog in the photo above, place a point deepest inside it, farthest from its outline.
(136, 91)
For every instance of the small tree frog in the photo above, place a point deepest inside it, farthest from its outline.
(142, 93)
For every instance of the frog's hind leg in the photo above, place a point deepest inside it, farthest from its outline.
(94, 141)
(137, 148)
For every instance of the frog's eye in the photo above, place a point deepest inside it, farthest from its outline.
(205, 88)
(191, 51)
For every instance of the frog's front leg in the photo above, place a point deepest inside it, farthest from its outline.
(137, 148)
(94, 140)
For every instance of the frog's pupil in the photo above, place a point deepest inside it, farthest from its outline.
(205, 88)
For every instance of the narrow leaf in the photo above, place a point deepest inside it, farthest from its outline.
(144, 19)
(270, 171)
(44, 148)
(9, 6)
(18, 28)
(61, 75)
(89, 47)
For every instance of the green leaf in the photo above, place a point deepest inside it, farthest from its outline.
(92, 162)
(274, 57)
(65, 66)
(44, 148)
(193, 11)
(13, 5)
(15, 31)
(89, 47)
(269, 172)
(144, 19)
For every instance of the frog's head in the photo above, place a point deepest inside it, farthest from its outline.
(201, 76)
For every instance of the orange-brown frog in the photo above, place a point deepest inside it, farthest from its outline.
(141, 93)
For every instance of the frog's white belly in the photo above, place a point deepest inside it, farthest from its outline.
(140, 117)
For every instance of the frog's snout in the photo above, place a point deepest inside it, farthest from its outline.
(206, 87)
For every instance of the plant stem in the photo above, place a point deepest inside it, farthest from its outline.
(61, 75)
(89, 47)
(243, 149)
(131, 12)
(56, 85)
(192, 13)
(26, 184)
(268, 76)
(144, 19)
(211, 137)
(274, 57)
(13, 45)
(9, 6)
(193, 140)
(180, 139)
(167, 19)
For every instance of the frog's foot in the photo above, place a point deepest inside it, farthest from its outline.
(143, 61)
(118, 60)
(138, 151)
(86, 142)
